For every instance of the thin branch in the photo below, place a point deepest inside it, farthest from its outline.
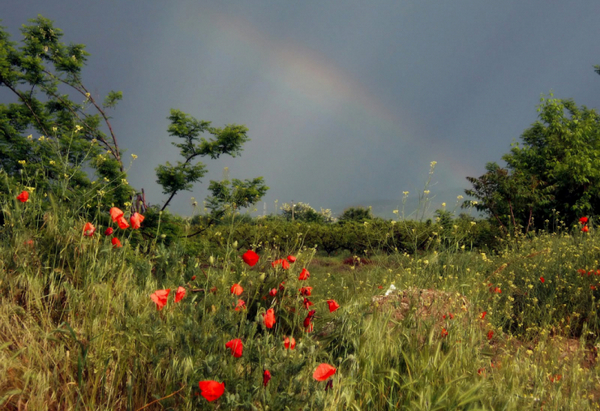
(108, 146)
(210, 222)
(27, 104)
(118, 156)
(176, 191)
(168, 200)
(114, 153)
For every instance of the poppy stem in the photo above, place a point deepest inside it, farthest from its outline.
(160, 399)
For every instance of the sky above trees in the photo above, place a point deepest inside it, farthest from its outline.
(347, 103)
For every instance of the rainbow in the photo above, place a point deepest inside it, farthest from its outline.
(314, 82)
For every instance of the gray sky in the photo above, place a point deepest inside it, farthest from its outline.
(347, 102)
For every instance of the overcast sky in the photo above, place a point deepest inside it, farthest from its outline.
(347, 102)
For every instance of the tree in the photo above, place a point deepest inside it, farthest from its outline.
(44, 77)
(358, 214)
(234, 195)
(228, 140)
(553, 170)
(304, 212)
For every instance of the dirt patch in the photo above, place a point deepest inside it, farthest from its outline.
(357, 261)
(422, 304)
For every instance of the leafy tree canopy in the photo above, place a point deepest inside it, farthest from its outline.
(552, 172)
(304, 212)
(358, 214)
(55, 127)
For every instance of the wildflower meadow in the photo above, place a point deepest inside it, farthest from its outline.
(94, 319)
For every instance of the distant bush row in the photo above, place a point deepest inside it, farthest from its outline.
(201, 236)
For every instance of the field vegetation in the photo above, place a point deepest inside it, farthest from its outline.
(83, 327)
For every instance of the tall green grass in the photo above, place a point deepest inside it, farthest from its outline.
(79, 331)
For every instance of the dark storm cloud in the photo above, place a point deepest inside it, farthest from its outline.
(347, 102)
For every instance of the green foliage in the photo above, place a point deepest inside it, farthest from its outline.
(552, 172)
(44, 76)
(228, 140)
(358, 214)
(233, 195)
(304, 212)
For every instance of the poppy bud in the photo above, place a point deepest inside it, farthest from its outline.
(266, 377)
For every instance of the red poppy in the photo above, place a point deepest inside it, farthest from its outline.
(450, 315)
(88, 230)
(323, 372)
(481, 371)
(123, 224)
(497, 290)
(136, 220)
(555, 378)
(236, 346)
(269, 318)
(241, 305)
(289, 343)
(543, 280)
(581, 271)
(585, 229)
(273, 292)
(160, 298)
(333, 305)
(115, 213)
(266, 377)
(237, 289)
(211, 390)
(29, 242)
(583, 220)
(214, 290)
(281, 286)
(108, 231)
(250, 258)
(179, 294)
(490, 334)
(193, 277)
(304, 274)
(284, 263)
(444, 332)
(309, 318)
(291, 258)
(483, 314)
(307, 303)
(306, 291)
(116, 242)
(23, 197)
